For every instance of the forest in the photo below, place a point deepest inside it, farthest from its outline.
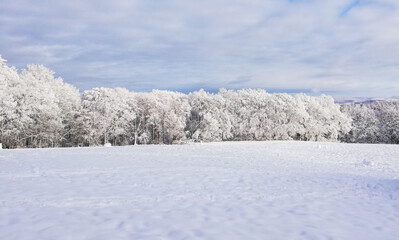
(39, 110)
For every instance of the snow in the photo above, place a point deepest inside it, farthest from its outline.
(235, 190)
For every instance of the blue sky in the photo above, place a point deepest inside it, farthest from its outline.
(341, 48)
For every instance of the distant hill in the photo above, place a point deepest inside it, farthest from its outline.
(360, 100)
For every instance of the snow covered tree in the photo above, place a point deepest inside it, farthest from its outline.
(388, 115)
(40, 110)
(172, 110)
(13, 118)
(209, 120)
(36, 108)
(373, 122)
(106, 114)
(390, 125)
(326, 122)
(365, 124)
(43, 105)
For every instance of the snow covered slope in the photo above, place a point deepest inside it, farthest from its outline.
(238, 190)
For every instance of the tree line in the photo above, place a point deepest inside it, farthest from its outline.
(40, 110)
(373, 122)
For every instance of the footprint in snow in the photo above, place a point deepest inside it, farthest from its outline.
(367, 163)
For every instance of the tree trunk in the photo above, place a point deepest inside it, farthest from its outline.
(135, 138)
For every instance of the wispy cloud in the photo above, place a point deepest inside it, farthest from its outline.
(340, 47)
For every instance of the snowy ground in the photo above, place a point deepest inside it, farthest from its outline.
(239, 190)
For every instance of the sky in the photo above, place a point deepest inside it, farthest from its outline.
(336, 47)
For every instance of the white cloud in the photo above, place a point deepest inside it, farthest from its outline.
(327, 46)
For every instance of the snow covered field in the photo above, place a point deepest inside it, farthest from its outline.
(237, 190)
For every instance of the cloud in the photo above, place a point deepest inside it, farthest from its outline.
(339, 47)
